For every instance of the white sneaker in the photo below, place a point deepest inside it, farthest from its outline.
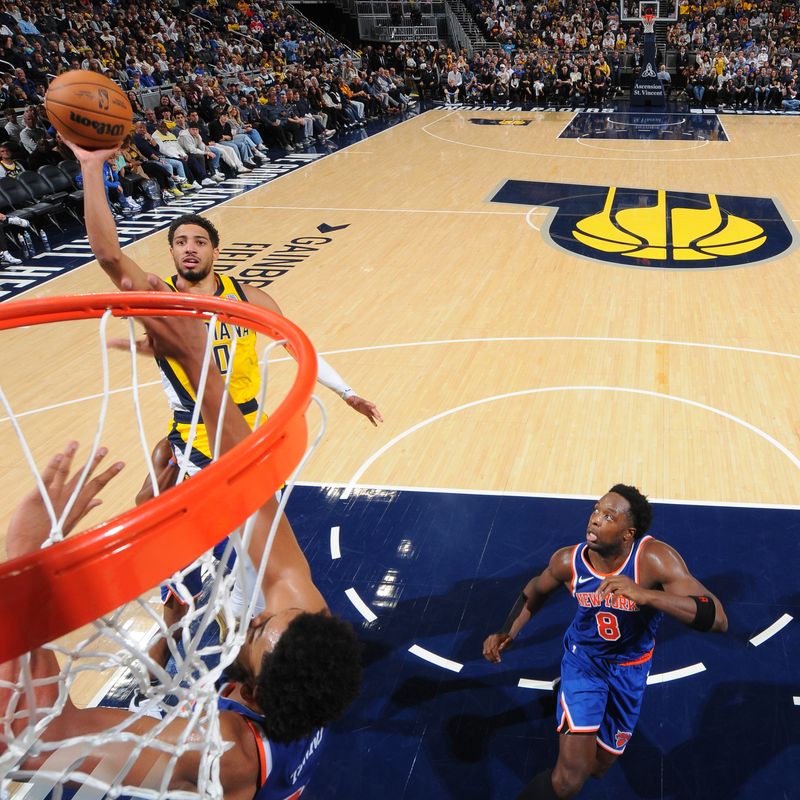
(7, 258)
(209, 182)
(262, 148)
(218, 176)
(22, 223)
(242, 170)
(196, 186)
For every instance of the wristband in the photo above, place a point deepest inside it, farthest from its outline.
(706, 613)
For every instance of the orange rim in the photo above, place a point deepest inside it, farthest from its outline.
(46, 594)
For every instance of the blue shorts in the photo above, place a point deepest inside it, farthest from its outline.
(598, 696)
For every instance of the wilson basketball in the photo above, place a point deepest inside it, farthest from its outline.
(89, 109)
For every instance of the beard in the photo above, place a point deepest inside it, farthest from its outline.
(194, 275)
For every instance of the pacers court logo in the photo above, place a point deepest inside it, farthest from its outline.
(656, 228)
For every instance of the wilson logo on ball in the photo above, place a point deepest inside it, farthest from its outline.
(103, 128)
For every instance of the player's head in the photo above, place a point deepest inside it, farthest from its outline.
(619, 516)
(640, 512)
(194, 244)
(302, 670)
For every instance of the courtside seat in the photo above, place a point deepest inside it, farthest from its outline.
(41, 192)
(71, 168)
(17, 199)
(60, 183)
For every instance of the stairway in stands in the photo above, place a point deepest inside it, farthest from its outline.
(471, 28)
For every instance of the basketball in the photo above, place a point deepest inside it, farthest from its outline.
(89, 109)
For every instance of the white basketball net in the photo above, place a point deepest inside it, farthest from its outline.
(209, 637)
(648, 22)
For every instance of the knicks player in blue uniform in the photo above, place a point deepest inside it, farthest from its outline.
(623, 582)
(297, 671)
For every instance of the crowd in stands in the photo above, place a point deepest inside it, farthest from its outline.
(719, 53)
(213, 86)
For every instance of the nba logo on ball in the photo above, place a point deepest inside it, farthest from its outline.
(656, 228)
(102, 99)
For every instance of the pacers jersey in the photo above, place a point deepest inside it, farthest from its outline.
(284, 769)
(244, 381)
(613, 628)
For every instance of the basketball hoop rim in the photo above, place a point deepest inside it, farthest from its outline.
(46, 594)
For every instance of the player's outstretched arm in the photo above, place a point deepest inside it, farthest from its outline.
(100, 227)
(531, 599)
(680, 594)
(326, 374)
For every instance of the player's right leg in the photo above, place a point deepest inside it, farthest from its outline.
(582, 697)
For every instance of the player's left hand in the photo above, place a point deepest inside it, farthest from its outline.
(143, 347)
(30, 524)
(365, 407)
(623, 586)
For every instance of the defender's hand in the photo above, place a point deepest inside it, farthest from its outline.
(494, 645)
(30, 523)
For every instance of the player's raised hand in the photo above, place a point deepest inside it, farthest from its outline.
(494, 645)
(30, 524)
(365, 407)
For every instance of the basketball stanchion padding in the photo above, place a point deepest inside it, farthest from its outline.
(46, 594)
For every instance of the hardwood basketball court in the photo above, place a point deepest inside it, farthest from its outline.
(503, 362)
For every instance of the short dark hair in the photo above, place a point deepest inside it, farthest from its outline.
(641, 512)
(310, 678)
(194, 219)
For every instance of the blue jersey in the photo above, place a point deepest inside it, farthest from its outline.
(284, 769)
(612, 628)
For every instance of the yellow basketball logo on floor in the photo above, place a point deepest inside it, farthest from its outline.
(685, 234)
(655, 227)
(517, 123)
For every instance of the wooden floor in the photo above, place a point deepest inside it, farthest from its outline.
(499, 362)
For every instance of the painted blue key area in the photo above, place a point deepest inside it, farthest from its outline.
(441, 570)
(680, 126)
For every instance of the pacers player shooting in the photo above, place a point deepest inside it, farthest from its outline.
(624, 582)
(194, 247)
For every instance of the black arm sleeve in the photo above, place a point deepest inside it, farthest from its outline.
(514, 613)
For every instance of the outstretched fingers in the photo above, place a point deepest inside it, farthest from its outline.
(87, 498)
(55, 473)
